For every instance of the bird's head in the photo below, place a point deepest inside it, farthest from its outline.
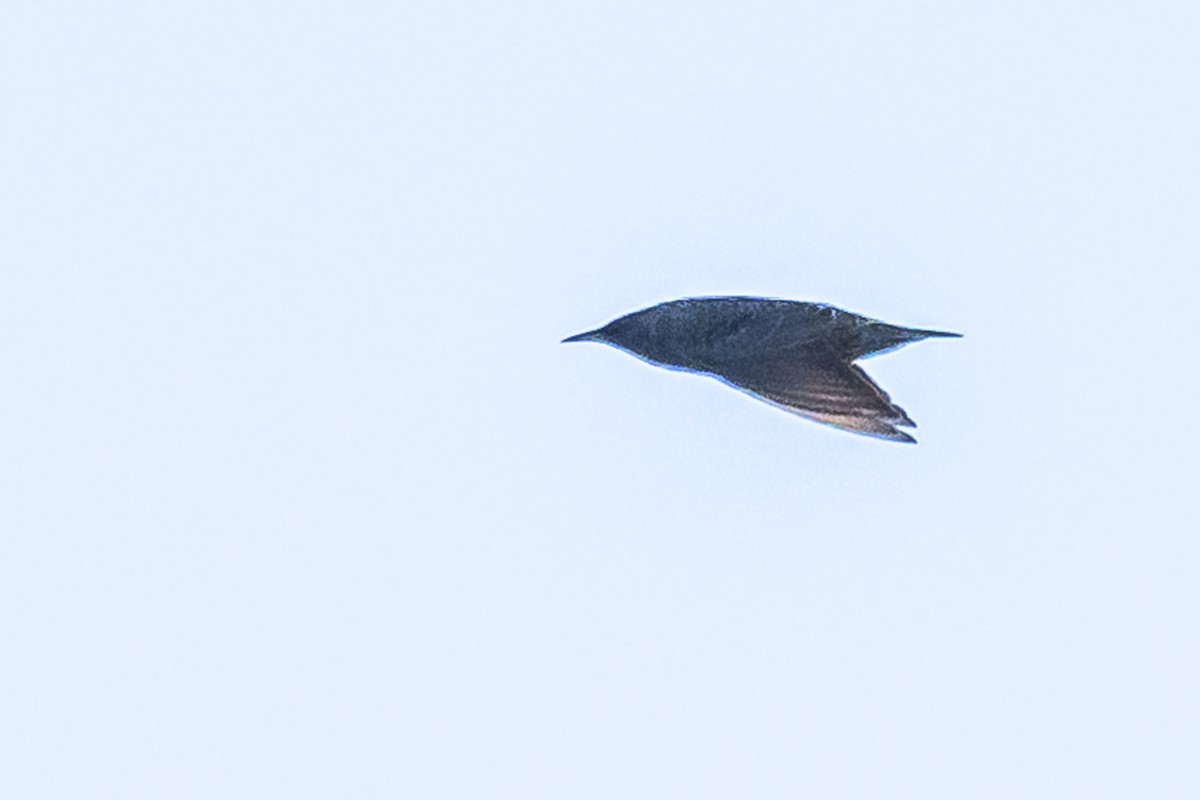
(645, 333)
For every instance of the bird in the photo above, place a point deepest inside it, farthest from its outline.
(795, 355)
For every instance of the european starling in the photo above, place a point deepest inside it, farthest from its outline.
(796, 356)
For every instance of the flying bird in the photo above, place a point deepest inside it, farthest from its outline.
(794, 355)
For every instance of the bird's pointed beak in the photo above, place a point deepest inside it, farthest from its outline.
(590, 336)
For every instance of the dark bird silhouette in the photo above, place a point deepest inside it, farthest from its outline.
(797, 356)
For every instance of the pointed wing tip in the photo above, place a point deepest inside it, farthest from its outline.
(880, 429)
(875, 426)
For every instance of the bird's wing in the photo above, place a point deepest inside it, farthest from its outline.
(825, 389)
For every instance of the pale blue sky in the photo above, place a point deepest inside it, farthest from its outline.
(302, 497)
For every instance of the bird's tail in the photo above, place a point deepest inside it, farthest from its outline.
(917, 333)
(882, 338)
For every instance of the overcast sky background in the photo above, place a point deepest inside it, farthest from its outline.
(301, 497)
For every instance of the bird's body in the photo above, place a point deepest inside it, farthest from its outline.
(795, 355)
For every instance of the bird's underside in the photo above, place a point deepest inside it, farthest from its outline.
(827, 390)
